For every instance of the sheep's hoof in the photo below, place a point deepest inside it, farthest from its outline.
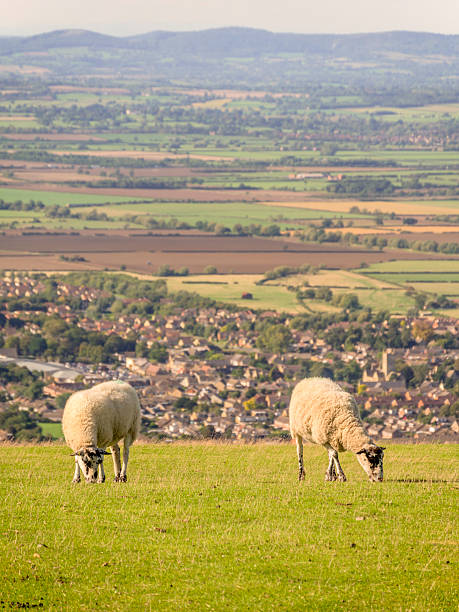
(301, 476)
(342, 478)
(120, 478)
(101, 480)
(75, 480)
(330, 477)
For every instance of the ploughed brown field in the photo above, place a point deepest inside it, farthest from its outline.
(142, 252)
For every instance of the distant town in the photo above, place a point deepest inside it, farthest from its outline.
(210, 371)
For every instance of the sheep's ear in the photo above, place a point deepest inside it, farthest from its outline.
(382, 448)
(78, 452)
(104, 452)
(361, 451)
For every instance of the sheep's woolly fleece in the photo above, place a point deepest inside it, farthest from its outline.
(101, 416)
(322, 412)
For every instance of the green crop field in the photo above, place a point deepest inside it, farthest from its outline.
(226, 213)
(415, 265)
(227, 527)
(50, 198)
(420, 277)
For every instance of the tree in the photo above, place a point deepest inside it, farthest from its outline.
(208, 431)
(20, 425)
(61, 400)
(158, 352)
(275, 338)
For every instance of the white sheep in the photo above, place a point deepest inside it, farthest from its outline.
(322, 412)
(99, 417)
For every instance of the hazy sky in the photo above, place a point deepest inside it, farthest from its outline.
(124, 17)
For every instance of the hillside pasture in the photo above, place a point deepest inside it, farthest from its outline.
(229, 288)
(227, 527)
(439, 277)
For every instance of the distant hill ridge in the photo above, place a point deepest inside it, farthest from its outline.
(242, 42)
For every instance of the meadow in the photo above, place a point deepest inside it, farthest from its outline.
(229, 288)
(50, 198)
(227, 527)
(275, 295)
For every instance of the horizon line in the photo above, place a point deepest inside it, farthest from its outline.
(229, 27)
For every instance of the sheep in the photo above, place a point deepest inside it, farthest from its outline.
(99, 417)
(322, 412)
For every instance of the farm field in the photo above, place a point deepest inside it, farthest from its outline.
(439, 277)
(119, 159)
(145, 253)
(225, 213)
(50, 198)
(407, 207)
(415, 266)
(381, 292)
(274, 295)
(229, 288)
(228, 527)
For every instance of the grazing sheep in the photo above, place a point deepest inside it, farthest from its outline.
(323, 413)
(99, 417)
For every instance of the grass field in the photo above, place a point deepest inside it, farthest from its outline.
(415, 265)
(439, 277)
(52, 429)
(226, 213)
(227, 527)
(229, 288)
(49, 198)
(451, 288)
(379, 293)
(406, 207)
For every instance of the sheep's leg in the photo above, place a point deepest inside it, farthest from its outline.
(76, 475)
(335, 471)
(116, 461)
(101, 473)
(339, 469)
(299, 451)
(330, 474)
(126, 444)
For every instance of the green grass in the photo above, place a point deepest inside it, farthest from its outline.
(414, 265)
(229, 288)
(451, 289)
(50, 198)
(52, 429)
(227, 213)
(393, 300)
(227, 527)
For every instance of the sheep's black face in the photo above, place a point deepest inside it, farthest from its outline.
(89, 460)
(371, 459)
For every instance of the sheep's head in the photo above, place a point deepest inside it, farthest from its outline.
(370, 458)
(89, 460)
